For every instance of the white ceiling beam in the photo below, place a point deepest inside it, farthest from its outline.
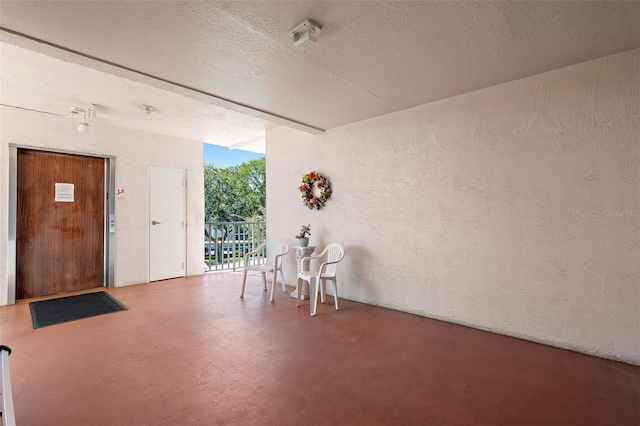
(59, 52)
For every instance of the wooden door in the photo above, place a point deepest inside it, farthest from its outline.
(59, 243)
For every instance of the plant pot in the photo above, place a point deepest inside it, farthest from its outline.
(304, 242)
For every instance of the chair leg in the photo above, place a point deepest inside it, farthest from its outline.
(313, 294)
(298, 286)
(284, 290)
(244, 281)
(264, 280)
(273, 284)
(323, 283)
(335, 292)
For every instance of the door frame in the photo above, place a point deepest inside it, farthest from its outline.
(109, 215)
(184, 207)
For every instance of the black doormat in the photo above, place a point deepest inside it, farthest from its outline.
(71, 308)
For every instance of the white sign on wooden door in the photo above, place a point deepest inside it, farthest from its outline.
(167, 230)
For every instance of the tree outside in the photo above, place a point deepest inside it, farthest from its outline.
(234, 194)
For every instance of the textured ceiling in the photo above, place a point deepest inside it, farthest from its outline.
(32, 80)
(372, 58)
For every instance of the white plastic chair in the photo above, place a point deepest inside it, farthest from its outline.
(316, 279)
(273, 264)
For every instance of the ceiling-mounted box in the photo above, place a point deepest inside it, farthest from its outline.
(305, 34)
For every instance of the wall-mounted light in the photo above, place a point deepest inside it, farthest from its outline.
(87, 116)
(305, 34)
(83, 126)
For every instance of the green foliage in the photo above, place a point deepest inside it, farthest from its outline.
(235, 191)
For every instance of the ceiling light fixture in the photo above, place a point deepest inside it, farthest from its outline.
(305, 34)
(147, 109)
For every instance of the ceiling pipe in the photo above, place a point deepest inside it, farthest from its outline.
(87, 116)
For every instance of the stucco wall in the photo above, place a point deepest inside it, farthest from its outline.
(513, 209)
(134, 153)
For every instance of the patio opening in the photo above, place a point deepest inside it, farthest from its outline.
(226, 243)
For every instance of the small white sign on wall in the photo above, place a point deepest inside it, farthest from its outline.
(120, 194)
(64, 193)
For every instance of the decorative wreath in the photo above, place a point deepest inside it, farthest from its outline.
(309, 199)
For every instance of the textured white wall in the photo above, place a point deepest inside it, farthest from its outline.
(134, 152)
(513, 209)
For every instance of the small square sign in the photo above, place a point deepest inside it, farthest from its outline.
(64, 193)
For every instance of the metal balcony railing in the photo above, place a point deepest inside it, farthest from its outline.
(225, 243)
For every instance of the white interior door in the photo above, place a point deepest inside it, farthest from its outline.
(167, 231)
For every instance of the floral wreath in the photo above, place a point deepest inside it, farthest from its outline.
(309, 199)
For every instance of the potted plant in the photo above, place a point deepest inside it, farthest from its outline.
(303, 235)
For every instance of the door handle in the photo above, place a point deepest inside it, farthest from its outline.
(153, 222)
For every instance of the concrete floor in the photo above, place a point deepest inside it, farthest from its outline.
(190, 351)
